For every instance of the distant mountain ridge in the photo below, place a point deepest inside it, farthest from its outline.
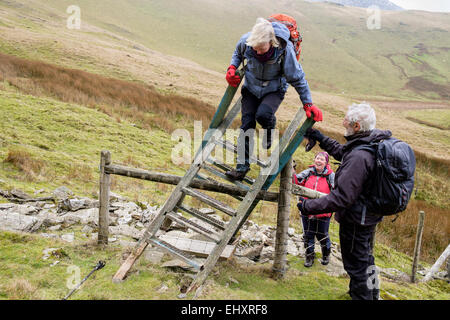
(382, 4)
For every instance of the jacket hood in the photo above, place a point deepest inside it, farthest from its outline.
(281, 31)
(366, 138)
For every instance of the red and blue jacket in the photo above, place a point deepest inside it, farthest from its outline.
(322, 182)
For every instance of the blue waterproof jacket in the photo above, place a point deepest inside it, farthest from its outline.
(282, 69)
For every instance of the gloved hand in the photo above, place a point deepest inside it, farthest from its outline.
(309, 107)
(313, 135)
(301, 206)
(232, 79)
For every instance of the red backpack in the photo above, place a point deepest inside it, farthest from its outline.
(291, 24)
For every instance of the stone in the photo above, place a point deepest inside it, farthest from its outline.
(291, 232)
(267, 253)
(19, 194)
(127, 231)
(87, 229)
(292, 248)
(153, 255)
(55, 227)
(207, 210)
(24, 209)
(62, 193)
(49, 235)
(52, 252)
(243, 261)
(163, 288)
(12, 221)
(253, 253)
(6, 206)
(68, 237)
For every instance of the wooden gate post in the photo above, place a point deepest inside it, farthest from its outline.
(103, 212)
(417, 245)
(284, 205)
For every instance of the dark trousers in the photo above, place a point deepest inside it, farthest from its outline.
(357, 256)
(316, 228)
(255, 110)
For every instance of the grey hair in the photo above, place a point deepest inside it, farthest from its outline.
(363, 114)
(262, 32)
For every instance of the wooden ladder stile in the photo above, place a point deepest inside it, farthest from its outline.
(218, 232)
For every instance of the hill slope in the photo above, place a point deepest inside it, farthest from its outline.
(405, 58)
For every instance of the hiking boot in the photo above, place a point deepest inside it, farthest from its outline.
(325, 256)
(309, 261)
(236, 174)
(267, 139)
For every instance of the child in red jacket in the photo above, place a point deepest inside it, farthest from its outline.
(319, 177)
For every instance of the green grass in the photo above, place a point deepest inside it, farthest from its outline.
(67, 137)
(437, 118)
(25, 275)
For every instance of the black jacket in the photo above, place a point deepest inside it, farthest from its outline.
(351, 179)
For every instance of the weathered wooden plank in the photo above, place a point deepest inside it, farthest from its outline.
(198, 247)
(209, 233)
(210, 201)
(195, 183)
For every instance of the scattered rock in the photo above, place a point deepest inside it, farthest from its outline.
(19, 194)
(68, 237)
(12, 221)
(127, 231)
(207, 210)
(55, 228)
(87, 229)
(163, 288)
(53, 252)
(153, 255)
(62, 193)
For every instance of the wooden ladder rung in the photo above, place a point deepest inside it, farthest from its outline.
(202, 216)
(210, 201)
(176, 252)
(225, 168)
(210, 234)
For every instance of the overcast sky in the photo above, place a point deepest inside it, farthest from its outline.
(428, 5)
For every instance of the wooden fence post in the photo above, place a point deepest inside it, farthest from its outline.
(284, 205)
(417, 245)
(103, 212)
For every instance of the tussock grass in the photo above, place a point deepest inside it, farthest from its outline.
(25, 162)
(401, 234)
(117, 98)
(21, 289)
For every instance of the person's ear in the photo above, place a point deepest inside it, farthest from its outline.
(356, 127)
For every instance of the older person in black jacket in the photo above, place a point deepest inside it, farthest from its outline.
(356, 225)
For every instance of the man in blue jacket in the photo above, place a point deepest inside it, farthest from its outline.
(270, 65)
(347, 199)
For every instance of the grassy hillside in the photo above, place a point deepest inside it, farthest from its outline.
(28, 276)
(407, 57)
(106, 87)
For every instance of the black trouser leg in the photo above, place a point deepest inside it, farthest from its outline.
(356, 249)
